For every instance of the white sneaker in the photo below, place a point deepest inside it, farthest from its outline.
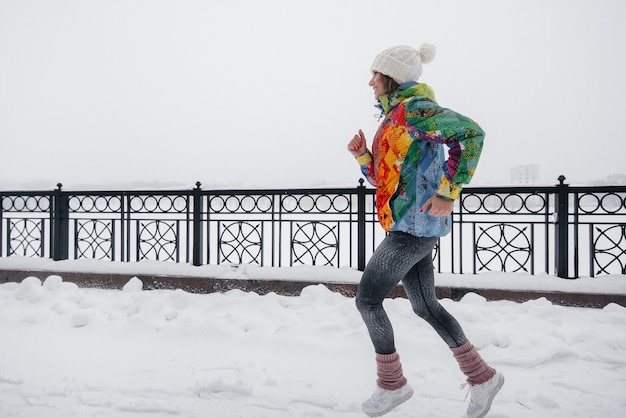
(482, 395)
(383, 400)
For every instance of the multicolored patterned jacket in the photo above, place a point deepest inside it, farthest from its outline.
(407, 164)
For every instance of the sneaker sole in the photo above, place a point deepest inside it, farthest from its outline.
(400, 401)
(495, 392)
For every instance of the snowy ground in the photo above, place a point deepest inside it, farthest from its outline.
(72, 352)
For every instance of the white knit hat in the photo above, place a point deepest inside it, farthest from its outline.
(403, 63)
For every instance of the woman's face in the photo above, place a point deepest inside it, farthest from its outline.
(378, 84)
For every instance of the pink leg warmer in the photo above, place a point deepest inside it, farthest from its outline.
(472, 364)
(389, 371)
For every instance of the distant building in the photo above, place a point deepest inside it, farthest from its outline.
(525, 174)
(612, 180)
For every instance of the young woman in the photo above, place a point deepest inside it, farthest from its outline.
(416, 185)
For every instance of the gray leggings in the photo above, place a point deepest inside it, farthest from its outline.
(408, 258)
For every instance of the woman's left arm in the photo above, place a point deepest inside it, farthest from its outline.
(465, 139)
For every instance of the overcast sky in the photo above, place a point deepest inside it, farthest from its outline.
(267, 94)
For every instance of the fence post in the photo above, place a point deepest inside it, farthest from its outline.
(360, 192)
(60, 225)
(562, 238)
(197, 226)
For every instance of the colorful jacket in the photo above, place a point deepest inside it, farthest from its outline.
(407, 164)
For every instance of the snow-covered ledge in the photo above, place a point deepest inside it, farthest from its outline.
(585, 291)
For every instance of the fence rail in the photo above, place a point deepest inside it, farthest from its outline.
(568, 231)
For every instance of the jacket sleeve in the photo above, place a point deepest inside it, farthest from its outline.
(465, 139)
(463, 136)
(366, 162)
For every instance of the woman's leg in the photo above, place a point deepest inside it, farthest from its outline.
(389, 264)
(420, 288)
(419, 285)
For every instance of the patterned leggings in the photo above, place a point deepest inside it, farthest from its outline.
(403, 257)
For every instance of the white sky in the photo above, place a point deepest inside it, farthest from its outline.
(267, 93)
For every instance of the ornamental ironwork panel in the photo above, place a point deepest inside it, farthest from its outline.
(600, 202)
(131, 226)
(241, 242)
(97, 224)
(275, 227)
(504, 247)
(609, 255)
(514, 202)
(158, 240)
(25, 223)
(315, 243)
(598, 244)
(509, 229)
(25, 237)
(26, 203)
(94, 239)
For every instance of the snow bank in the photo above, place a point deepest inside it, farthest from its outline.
(72, 352)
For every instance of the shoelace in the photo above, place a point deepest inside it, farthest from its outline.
(378, 394)
(471, 389)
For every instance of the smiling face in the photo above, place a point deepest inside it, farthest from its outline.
(382, 84)
(378, 84)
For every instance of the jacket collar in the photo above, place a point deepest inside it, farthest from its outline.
(407, 90)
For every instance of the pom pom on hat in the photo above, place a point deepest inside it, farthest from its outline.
(403, 63)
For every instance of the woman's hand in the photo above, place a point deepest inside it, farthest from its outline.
(358, 145)
(438, 206)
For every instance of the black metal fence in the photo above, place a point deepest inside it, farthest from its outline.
(563, 230)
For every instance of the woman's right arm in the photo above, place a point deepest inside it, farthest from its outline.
(357, 145)
(358, 148)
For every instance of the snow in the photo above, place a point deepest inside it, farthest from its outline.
(67, 351)
(612, 284)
